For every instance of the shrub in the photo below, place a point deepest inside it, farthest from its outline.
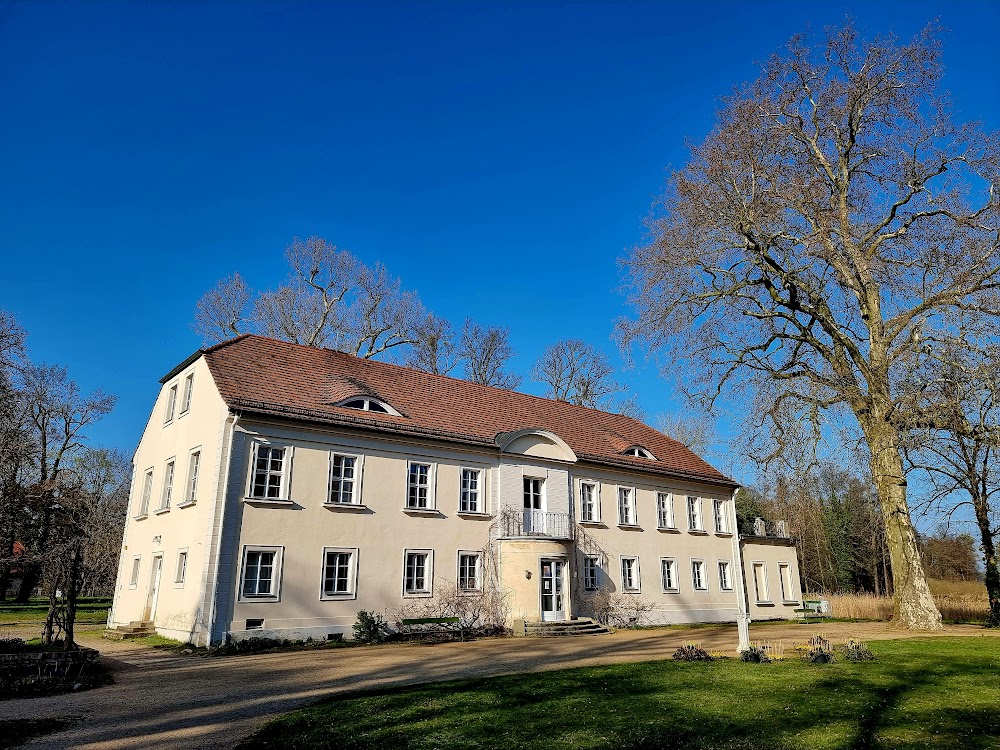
(756, 654)
(692, 652)
(248, 646)
(370, 627)
(819, 650)
(856, 651)
(12, 646)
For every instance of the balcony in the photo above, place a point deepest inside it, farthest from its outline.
(520, 524)
(763, 529)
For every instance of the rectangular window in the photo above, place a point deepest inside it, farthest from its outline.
(168, 416)
(664, 510)
(194, 464)
(630, 574)
(133, 579)
(186, 396)
(694, 514)
(147, 492)
(725, 576)
(668, 574)
(342, 479)
(719, 511)
(785, 576)
(626, 506)
(182, 563)
(590, 567)
(338, 573)
(268, 472)
(168, 486)
(469, 576)
(471, 499)
(260, 573)
(588, 502)
(418, 486)
(532, 493)
(698, 578)
(760, 582)
(417, 573)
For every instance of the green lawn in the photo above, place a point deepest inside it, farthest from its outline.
(930, 693)
(89, 610)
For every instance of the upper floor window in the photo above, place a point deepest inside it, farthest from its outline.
(533, 493)
(194, 466)
(168, 485)
(418, 486)
(590, 567)
(719, 512)
(186, 395)
(342, 479)
(364, 403)
(665, 510)
(471, 500)
(639, 452)
(694, 514)
(147, 493)
(630, 574)
(626, 506)
(589, 505)
(270, 464)
(168, 415)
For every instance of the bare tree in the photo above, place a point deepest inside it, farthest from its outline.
(485, 352)
(221, 313)
(382, 316)
(694, 431)
(576, 372)
(833, 211)
(435, 349)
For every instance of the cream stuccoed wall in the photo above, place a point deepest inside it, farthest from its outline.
(776, 603)
(609, 541)
(180, 607)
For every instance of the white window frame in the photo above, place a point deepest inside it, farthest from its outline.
(180, 572)
(478, 574)
(147, 493)
(637, 451)
(428, 591)
(167, 490)
(543, 500)
(671, 563)
(726, 579)
(698, 562)
(696, 522)
(636, 586)
(286, 472)
(187, 394)
(720, 516)
(785, 577)
(367, 405)
(133, 577)
(595, 486)
(630, 504)
(352, 574)
(359, 463)
(171, 405)
(665, 520)
(275, 593)
(480, 509)
(756, 584)
(431, 484)
(594, 562)
(191, 490)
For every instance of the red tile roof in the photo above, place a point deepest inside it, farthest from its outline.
(267, 376)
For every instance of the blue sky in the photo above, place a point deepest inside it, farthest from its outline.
(500, 158)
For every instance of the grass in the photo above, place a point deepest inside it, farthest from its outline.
(90, 610)
(923, 693)
(958, 601)
(15, 732)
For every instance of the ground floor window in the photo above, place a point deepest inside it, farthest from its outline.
(417, 572)
(785, 576)
(182, 563)
(698, 578)
(630, 574)
(338, 572)
(469, 575)
(590, 567)
(760, 582)
(725, 576)
(133, 579)
(260, 572)
(668, 574)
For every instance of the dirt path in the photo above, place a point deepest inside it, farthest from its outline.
(165, 701)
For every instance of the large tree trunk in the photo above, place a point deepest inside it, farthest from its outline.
(914, 605)
(990, 562)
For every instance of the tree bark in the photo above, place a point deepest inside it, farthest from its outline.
(990, 562)
(914, 606)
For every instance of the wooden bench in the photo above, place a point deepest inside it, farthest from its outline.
(809, 607)
(445, 626)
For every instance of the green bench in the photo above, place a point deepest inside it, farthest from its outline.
(414, 627)
(809, 607)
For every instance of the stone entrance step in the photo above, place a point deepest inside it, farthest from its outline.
(130, 631)
(581, 626)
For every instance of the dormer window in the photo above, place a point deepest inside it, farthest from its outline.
(638, 451)
(368, 404)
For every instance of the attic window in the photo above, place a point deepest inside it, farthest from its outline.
(368, 404)
(639, 452)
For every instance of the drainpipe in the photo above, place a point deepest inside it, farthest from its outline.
(743, 608)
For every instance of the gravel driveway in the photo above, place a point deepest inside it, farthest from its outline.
(161, 700)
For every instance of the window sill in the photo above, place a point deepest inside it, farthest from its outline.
(768, 603)
(671, 591)
(699, 532)
(668, 529)
(597, 524)
(167, 424)
(141, 517)
(790, 602)
(423, 512)
(700, 591)
(631, 591)
(723, 533)
(266, 501)
(726, 591)
(417, 595)
(183, 413)
(473, 514)
(259, 600)
(348, 507)
(161, 511)
(630, 526)
(133, 586)
(338, 597)
(178, 585)
(187, 504)
(470, 592)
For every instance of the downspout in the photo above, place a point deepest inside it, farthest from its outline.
(222, 492)
(742, 605)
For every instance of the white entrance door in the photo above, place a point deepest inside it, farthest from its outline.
(154, 589)
(553, 598)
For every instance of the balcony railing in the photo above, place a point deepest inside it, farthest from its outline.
(763, 528)
(537, 523)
